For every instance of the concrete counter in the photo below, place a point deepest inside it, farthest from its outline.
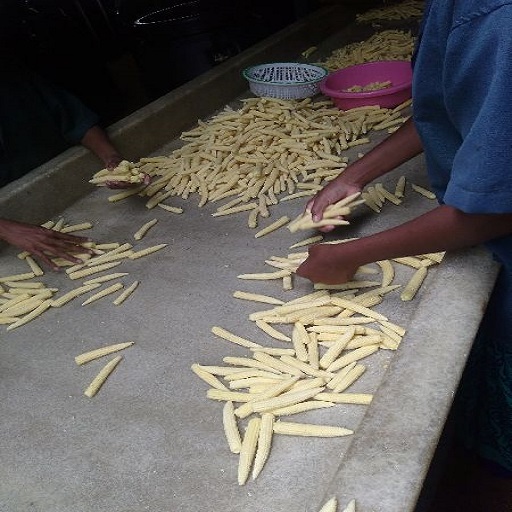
(151, 440)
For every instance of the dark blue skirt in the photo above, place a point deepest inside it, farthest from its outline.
(483, 409)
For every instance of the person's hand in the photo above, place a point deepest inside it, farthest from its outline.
(42, 242)
(330, 194)
(111, 164)
(126, 184)
(328, 264)
(113, 161)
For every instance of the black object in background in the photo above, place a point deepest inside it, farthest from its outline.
(117, 55)
(174, 41)
(70, 44)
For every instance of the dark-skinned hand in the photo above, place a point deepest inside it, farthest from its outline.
(42, 243)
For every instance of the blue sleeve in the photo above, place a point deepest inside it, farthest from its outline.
(71, 115)
(478, 95)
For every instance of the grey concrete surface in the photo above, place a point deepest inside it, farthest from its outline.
(151, 440)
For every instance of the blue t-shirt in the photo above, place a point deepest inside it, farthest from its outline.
(462, 90)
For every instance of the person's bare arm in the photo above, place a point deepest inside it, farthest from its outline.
(97, 141)
(398, 148)
(442, 229)
(41, 242)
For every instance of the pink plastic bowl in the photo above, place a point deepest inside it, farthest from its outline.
(398, 72)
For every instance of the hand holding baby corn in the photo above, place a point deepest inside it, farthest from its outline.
(124, 175)
(331, 215)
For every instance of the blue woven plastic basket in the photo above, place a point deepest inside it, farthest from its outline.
(285, 80)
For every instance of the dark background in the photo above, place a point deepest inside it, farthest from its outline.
(118, 55)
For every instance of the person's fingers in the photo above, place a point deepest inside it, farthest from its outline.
(62, 253)
(74, 239)
(45, 259)
(73, 247)
(56, 247)
(113, 162)
(317, 209)
(50, 263)
(70, 257)
(326, 229)
(118, 184)
(68, 245)
(50, 236)
(301, 269)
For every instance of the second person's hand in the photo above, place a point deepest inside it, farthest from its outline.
(333, 192)
(111, 164)
(43, 243)
(329, 264)
(118, 184)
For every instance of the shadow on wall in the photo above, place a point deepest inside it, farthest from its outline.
(172, 42)
(118, 55)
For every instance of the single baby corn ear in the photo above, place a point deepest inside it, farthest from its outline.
(125, 294)
(257, 297)
(207, 377)
(354, 355)
(351, 507)
(282, 221)
(103, 293)
(248, 449)
(423, 191)
(291, 398)
(141, 232)
(233, 338)
(337, 347)
(100, 352)
(414, 284)
(64, 299)
(346, 398)
(330, 506)
(147, 251)
(102, 376)
(310, 430)
(231, 428)
(264, 443)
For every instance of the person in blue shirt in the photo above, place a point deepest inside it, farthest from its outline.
(39, 120)
(462, 90)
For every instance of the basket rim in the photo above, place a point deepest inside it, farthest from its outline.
(245, 73)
